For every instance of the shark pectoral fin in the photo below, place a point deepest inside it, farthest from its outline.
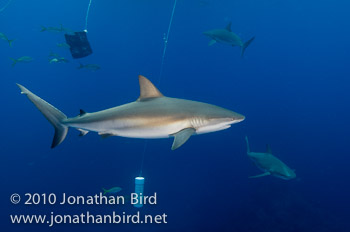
(261, 175)
(245, 45)
(105, 135)
(83, 132)
(181, 137)
(211, 42)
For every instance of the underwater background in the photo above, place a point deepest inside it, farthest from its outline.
(292, 86)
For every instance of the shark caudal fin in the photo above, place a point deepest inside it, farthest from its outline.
(245, 45)
(53, 115)
(248, 148)
(10, 41)
(14, 61)
(80, 66)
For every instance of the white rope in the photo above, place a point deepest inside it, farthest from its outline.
(166, 37)
(87, 16)
(160, 76)
(143, 156)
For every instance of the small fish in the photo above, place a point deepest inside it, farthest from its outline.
(55, 29)
(50, 29)
(23, 59)
(58, 60)
(92, 67)
(112, 190)
(63, 45)
(4, 37)
(52, 54)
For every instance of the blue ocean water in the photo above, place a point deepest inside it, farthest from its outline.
(292, 85)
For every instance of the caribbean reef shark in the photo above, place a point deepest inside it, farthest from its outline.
(226, 36)
(270, 164)
(152, 115)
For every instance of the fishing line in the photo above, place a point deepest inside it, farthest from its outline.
(161, 72)
(6, 5)
(87, 16)
(166, 37)
(143, 156)
(139, 181)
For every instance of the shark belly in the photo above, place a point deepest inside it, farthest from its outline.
(134, 128)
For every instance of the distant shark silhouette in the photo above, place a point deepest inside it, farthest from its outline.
(270, 164)
(226, 36)
(152, 115)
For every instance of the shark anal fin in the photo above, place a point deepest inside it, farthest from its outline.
(147, 89)
(105, 135)
(181, 137)
(83, 132)
(211, 42)
(261, 175)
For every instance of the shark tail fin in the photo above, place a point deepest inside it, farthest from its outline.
(80, 66)
(104, 191)
(43, 29)
(52, 114)
(10, 41)
(14, 61)
(248, 148)
(245, 45)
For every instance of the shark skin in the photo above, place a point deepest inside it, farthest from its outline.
(226, 36)
(151, 116)
(270, 164)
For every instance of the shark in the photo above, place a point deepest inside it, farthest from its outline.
(151, 116)
(226, 36)
(269, 164)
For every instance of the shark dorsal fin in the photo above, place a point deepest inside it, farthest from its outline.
(82, 112)
(228, 27)
(147, 89)
(268, 149)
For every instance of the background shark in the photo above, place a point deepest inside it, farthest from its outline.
(152, 115)
(226, 36)
(270, 164)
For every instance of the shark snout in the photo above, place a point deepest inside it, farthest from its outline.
(207, 33)
(238, 118)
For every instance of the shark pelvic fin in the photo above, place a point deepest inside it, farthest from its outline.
(211, 42)
(147, 89)
(181, 137)
(105, 135)
(228, 27)
(261, 175)
(83, 132)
